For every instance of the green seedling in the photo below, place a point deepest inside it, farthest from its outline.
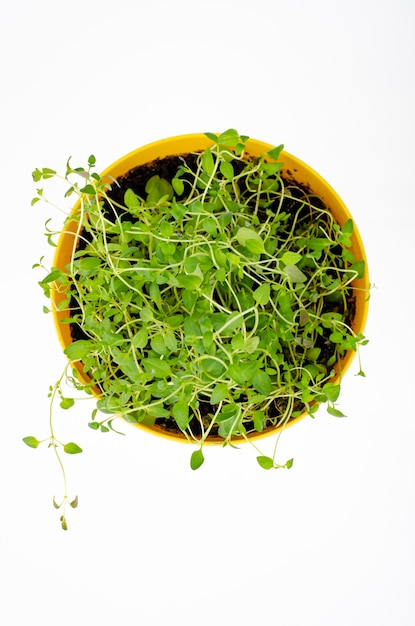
(219, 302)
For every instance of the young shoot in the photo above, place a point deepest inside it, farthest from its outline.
(213, 300)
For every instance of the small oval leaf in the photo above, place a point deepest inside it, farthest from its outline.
(227, 170)
(265, 462)
(208, 163)
(74, 502)
(32, 442)
(197, 459)
(181, 413)
(77, 350)
(67, 403)
(72, 448)
(262, 293)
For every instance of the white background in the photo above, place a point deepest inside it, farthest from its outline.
(329, 542)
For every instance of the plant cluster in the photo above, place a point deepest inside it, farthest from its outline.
(215, 304)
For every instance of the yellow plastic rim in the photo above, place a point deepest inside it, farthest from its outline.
(293, 167)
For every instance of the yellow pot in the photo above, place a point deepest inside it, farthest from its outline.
(293, 166)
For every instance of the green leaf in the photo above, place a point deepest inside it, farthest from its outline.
(140, 339)
(190, 282)
(131, 200)
(220, 257)
(265, 462)
(234, 259)
(358, 267)
(262, 294)
(67, 403)
(210, 226)
(89, 190)
(250, 239)
(229, 420)
(240, 147)
(310, 372)
(262, 382)
(46, 173)
(229, 137)
(166, 229)
(36, 175)
(271, 168)
(336, 337)
(74, 502)
(126, 362)
(181, 413)
(330, 318)
(238, 342)
(243, 372)
(158, 345)
(335, 412)
(155, 294)
(208, 163)
(245, 234)
(331, 391)
(219, 393)
(174, 321)
(157, 367)
(114, 430)
(54, 275)
(208, 343)
(212, 137)
(178, 186)
(32, 442)
(191, 329)
(153, 412)
(313, 353)
(72, 448)
(255, 246)
(190, 264)
(274, 153)
(146, 314)
(89, 263)
(294, 274)
(259, 420)
(170, 340)
(215, 369)
(157, 189)
(318, 243)
(348, 228)
(291, 258)
(251, 344)
(197, 459)
(348, 256)
(78, 350)
(227, 170)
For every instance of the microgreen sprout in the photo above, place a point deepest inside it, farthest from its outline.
(217, 303)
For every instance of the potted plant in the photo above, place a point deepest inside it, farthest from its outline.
(208, 288)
